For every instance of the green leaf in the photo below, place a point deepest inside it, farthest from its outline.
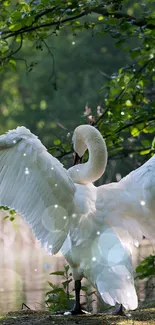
(57, 142)
(128, 103)
(6, 2)
(145, 152)
(135, 132)
(153, 143)
(100, 18)
(56, 290)
(12, 219)
(65, 283)
(51, 284)
(15, 26)
(58, 273)
(66, 267)
(13, 62)
(135, 52)
(12, 212)
(4, 208)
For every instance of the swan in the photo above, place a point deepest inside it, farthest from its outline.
(94, 227)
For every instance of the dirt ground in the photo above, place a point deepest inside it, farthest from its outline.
(139, 317)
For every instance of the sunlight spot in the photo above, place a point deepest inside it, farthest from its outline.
(35, 270)
(128, 103)
(136, 243)
(50, 246)
(73, 43)
(77, 170)
(52, 168)
(142, 202)
(27, 171)
(74, 215)
(24, 154)
(14, 141)
(118, 177)
(122, 113)
(151, 56)
(98, 232)
(131, 155)
(56, 185)
(93, 258)
(56, 206)
(128, 277)
(65, 217)
(68, 134)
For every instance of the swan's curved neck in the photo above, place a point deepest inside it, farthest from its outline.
(94, 168)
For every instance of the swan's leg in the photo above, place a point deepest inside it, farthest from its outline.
(119, 311)
(77, 308)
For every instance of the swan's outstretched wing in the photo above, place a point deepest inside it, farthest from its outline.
(36, 185)
(129, 206)
(140, 186)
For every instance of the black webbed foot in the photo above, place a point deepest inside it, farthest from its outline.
(77, 311)
(119, 311)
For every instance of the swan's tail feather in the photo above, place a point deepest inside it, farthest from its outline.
(111, 270)
(123, 293)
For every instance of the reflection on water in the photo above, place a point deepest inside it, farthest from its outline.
(25, 266)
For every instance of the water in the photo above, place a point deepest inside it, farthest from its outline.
(25, 266)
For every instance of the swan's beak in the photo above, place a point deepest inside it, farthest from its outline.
(77, 159)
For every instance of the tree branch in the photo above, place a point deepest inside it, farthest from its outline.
(98, 10)
(33, 28)
(125, 152)
(121, 15)
(11, 53)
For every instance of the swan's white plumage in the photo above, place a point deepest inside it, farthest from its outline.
(128, 206)
(94, 227)
(36, 185)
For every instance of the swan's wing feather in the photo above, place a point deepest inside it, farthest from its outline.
(115, 280)
(112, 270)
(36, 185)
(84, 223)
(103, 257)
(139, 186)
(128, 206)
(107, 264)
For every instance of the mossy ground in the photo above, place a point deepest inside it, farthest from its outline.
(144, 316)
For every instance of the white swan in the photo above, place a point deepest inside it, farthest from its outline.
(65, 210)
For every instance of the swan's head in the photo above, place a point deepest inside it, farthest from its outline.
(78, 141)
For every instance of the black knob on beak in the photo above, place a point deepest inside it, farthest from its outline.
(77, 159)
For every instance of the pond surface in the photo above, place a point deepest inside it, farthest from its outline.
(25, 266)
